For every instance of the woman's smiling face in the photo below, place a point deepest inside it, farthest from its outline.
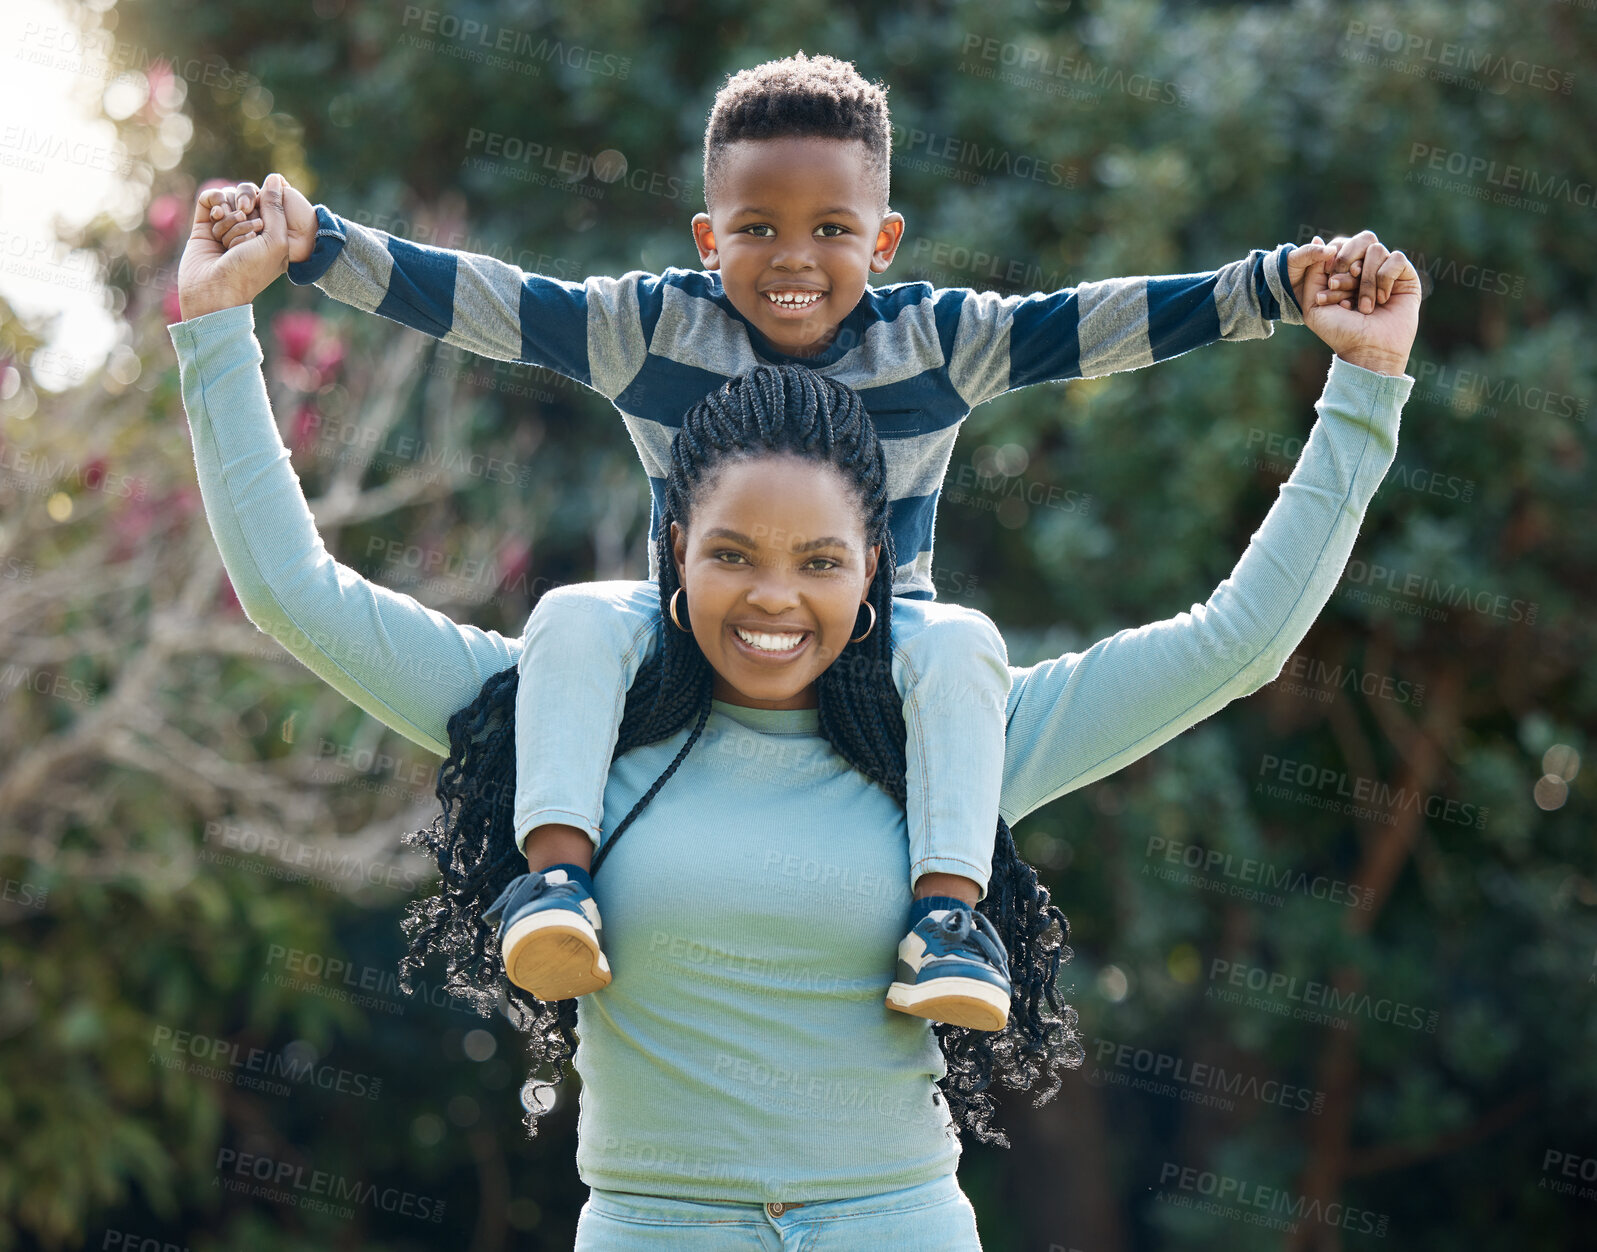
(774, 568)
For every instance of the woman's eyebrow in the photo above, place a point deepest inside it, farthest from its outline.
(721, 532)
(828, 541)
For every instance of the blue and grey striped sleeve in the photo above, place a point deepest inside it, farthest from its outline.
(1082, 716)
(593, 332)
(1004, 342)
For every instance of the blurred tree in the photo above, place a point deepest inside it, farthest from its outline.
(1037, 145)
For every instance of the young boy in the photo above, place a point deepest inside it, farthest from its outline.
(796, 163)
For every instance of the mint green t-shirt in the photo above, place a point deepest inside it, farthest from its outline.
(751, 916)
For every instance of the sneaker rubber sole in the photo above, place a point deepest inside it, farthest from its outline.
(966, 1002)
(555, 955)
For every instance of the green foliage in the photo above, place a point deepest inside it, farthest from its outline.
(1182, 136)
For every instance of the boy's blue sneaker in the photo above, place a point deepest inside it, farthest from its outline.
(952, 968)
(549, 936)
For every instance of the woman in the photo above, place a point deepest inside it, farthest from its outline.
(743, 1084)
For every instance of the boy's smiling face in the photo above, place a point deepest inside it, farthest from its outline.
(795, 228)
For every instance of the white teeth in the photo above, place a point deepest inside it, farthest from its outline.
(793, 299)
(768, 643)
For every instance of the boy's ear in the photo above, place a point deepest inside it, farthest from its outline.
(704, 240)
(888, 236)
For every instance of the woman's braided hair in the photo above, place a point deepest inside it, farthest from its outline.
(770, 410)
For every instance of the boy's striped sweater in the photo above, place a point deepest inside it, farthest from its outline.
(920, 356)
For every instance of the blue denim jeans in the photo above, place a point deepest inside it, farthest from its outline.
(931, 1217)
(585, 642)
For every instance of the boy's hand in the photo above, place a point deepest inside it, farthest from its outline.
(211, 277)
(1380, 339)
(1350, 278)
(236, 217)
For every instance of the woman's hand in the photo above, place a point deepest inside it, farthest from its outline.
(1381, 339)
(210, 278)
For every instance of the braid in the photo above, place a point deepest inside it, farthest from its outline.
(770, 410)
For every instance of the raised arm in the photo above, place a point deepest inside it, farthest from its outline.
(1081, 717)
(590, 331)
(1098, 328)
(405, 664)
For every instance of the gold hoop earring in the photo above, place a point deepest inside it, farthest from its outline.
(687, 630)
(869, 628)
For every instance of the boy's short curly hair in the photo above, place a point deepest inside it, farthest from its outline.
(800, 96)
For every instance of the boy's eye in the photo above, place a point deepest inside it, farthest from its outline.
(831, 226)
(757, 228)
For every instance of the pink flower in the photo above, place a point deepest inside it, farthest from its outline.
(131, 523)
(182, 501)
(166, 216)
(160, 77)
(515, 558)
(311, 350)
(303, 430)
(328, 357)
(296, 331)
